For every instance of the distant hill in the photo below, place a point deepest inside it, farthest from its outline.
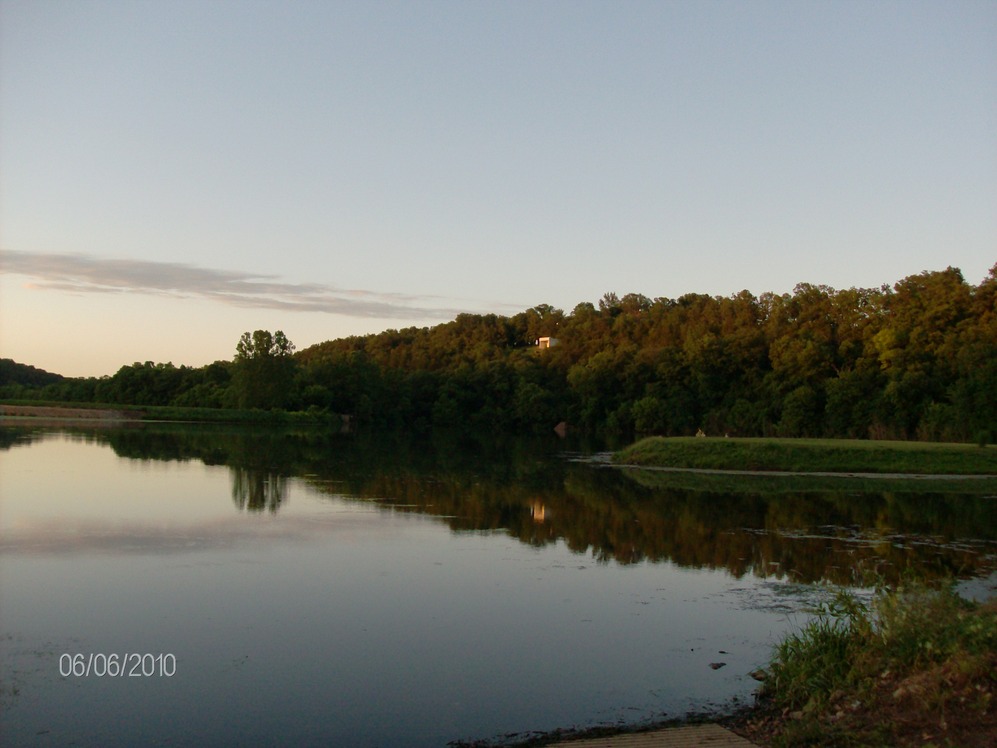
(12, 372)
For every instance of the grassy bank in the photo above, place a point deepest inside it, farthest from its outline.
(915, 667)
(811, 455)
(28, 410)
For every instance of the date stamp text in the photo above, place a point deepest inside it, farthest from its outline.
(129, 665)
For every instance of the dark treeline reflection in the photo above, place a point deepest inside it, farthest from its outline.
(531, 489)
(256, 490)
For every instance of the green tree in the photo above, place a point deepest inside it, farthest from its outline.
(919, 343)
(263, 375)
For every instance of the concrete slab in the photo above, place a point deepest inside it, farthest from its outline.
(687, 736)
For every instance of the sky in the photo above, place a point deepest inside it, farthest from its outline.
(173, 174)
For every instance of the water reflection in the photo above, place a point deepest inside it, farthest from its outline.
(255, 490)
(530, 490)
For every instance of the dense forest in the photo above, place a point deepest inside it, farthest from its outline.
(917, 360)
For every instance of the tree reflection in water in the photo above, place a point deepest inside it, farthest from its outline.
(256, 490)
(528, 488)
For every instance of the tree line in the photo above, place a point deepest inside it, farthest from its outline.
(916, 360)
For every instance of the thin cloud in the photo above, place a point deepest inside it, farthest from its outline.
(78, 273)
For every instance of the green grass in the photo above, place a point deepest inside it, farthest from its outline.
(914, 661)
(811, 455)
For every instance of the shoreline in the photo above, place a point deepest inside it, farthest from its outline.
(605, 460)
(733, 719)
(110, 416)
(805, 474)
(59, 414)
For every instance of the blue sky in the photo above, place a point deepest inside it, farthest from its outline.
(173, 174)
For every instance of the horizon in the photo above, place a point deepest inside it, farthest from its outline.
(175, 175)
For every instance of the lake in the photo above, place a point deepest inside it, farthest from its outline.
(181, 585)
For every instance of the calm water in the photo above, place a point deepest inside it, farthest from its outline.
(295, 588)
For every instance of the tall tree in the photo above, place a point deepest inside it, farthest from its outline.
(263, 376)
